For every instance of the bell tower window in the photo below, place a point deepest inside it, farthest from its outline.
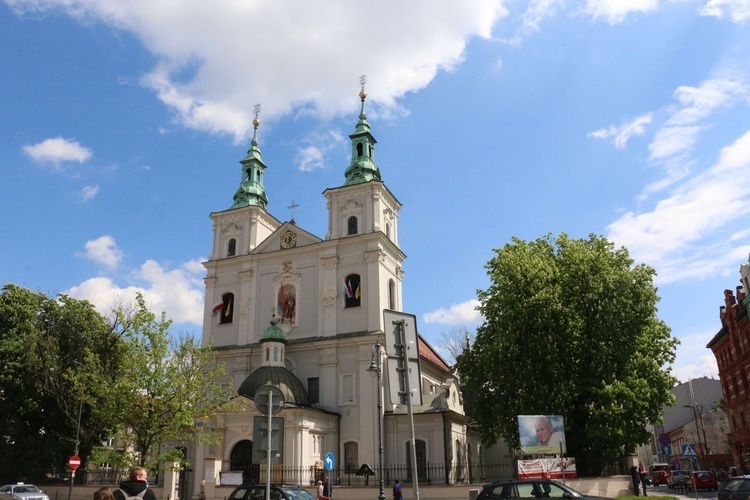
(231, 247)
(227, 311)
(359, 149)
(352, 293)
(351, 225)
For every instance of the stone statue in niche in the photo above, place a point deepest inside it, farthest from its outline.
(287, 304)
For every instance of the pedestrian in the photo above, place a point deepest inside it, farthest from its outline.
(636, 478)
(135, 487)
(320, 490)
(398, 493)
(643, 472)
(326, 489)
(103, 494)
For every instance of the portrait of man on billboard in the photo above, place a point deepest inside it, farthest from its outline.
(542, 434)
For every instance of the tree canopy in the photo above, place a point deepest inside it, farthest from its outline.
(56, 356)
(570, 328)
(132, 382)
(165, 392)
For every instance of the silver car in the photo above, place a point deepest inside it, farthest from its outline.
(22, 491)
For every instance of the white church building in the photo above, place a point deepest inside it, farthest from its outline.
(328, 294)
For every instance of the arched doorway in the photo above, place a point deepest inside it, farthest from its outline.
(241, 459)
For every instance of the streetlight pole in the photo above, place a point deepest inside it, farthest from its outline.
(78, 440)
(376, 368)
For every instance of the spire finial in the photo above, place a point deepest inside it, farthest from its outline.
(256, 110)
(293, 207)
(362, 82)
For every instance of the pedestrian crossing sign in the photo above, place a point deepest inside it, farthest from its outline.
(688, 450)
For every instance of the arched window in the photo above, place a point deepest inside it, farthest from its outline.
(227, 311)
(231, 247)
(387, 230)
(257, 176)
(249, 174)
(421, 448)
(359, 149)
(351, 457)
(391, 295)
(351, 225)
(352, 292)
(370, 149)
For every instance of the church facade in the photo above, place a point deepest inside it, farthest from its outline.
(301, 312)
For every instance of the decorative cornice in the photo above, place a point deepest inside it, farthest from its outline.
(373, 256)
(209, 281)
(246, 276)
(330, 263)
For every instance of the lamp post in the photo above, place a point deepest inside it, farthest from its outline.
(78, 439)
(376, 369)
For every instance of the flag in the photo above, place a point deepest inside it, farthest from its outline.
(356, 294)
(228, 310)
(347, 289)
(218, 307)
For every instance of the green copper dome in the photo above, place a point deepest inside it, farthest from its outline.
(273, 332)
(251, 191)
(362, 167)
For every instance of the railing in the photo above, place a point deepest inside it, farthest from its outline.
(429, 474)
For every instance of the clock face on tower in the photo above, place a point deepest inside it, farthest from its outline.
(288, 240)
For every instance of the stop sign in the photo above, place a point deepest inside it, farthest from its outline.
(74, 462)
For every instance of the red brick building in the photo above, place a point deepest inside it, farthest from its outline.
(731, 347)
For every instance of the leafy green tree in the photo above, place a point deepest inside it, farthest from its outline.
(56, 355)
(166, 390)
(570, 329)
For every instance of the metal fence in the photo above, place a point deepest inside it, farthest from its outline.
(429, 474)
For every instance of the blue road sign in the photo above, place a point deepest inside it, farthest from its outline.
(688, 450)
(666, 450)
(329, 461)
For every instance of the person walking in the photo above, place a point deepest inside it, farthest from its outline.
(398, 493)
(136, 486)
(320, 490)
(636, 478)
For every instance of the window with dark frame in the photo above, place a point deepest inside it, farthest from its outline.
(351, 225)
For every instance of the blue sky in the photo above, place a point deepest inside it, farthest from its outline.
(122, 125)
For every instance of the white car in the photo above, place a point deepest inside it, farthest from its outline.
(22, 491)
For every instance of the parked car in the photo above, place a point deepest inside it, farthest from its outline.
(22, 491)
(701, 479)
(734, 488)
(278, 492)
(677, 479)
(530, 488)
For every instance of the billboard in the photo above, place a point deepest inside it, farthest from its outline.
(542, 434)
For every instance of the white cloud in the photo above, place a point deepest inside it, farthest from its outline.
(624, 132)
(89, 192)
(688, 234)
(458, 314)
(57, 150)
(211, 68)
(738, 10)
(537, 11)
(615, 11)
(103, 250)
(313, 155)
(178, 291)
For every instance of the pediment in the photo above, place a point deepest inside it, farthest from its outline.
(288, 236)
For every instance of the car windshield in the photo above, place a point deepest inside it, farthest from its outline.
(735, 485)
(26, 488)
(297, 494)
